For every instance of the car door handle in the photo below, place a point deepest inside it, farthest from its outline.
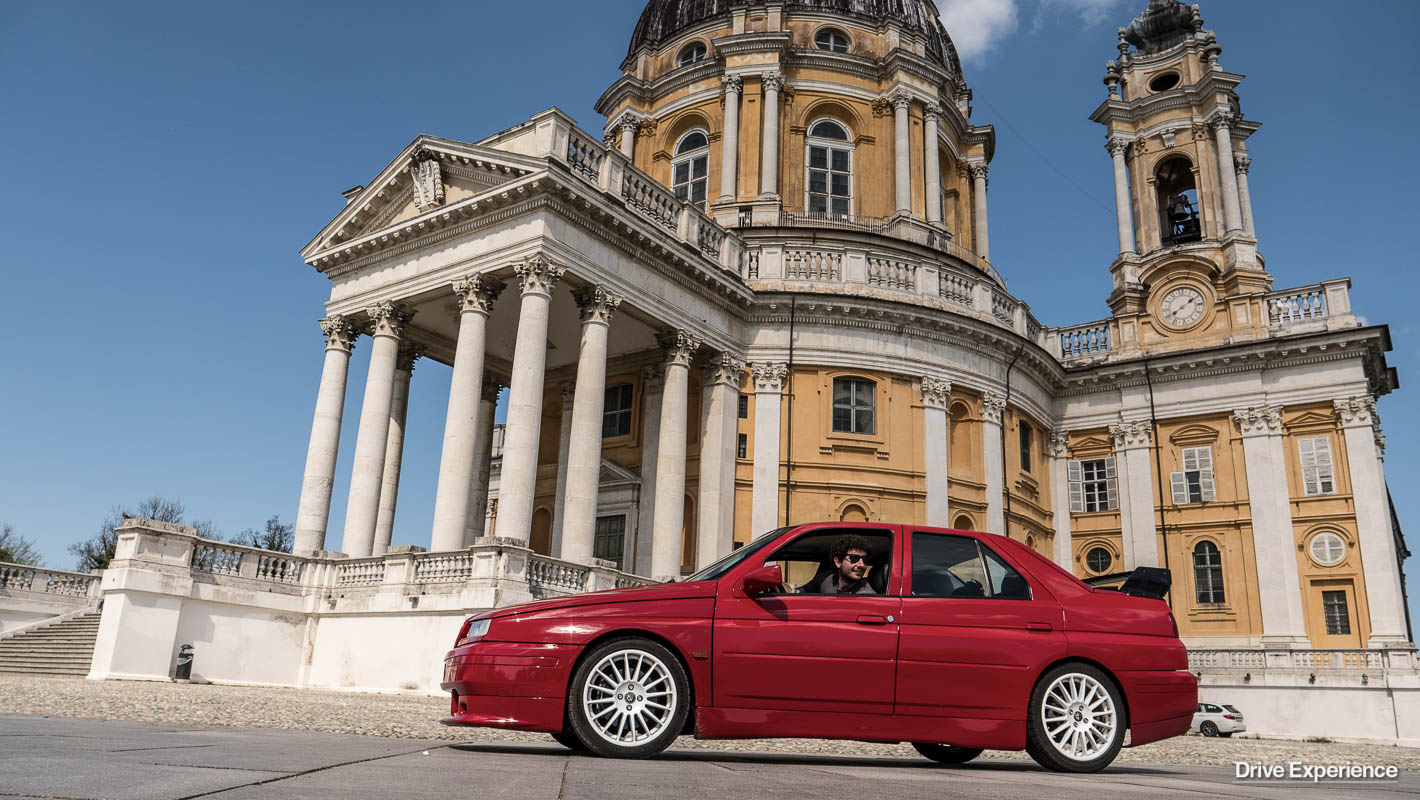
(1039, 626)
(871, 619)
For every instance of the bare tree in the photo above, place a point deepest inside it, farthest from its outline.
(97, 551)
(16, 549)
(277, 536)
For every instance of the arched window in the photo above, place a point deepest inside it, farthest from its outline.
(693, 52)
(853, 513)
(1208, 573)
(1178, 202)
(830, 166)
(964, 523)
(853, 405)
(690, 167)
(1098, 560)
(832, 40)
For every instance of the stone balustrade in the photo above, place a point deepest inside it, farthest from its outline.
(1255, 661)
(1321, 306)
(32, 596)
(1093, 340)
(16, 578)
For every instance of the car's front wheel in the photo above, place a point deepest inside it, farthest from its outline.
(1076, 721)
(945, 753)
(629, 698)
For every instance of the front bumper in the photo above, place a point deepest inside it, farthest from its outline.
(514, 685)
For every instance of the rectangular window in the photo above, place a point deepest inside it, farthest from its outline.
(1094, 485)
(1317, 475)
(1025, 447)
(830, 190)
(853, 402)
(1338, 616)
(744, 406)
(742, 446)
(1195, 483)
(616, 415)
(610, 538)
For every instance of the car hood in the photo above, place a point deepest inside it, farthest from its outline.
(655, 591)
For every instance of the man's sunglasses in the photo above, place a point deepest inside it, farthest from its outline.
(854, 558)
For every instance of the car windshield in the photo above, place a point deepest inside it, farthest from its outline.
(732, 560)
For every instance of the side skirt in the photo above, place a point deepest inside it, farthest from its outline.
(758, 723)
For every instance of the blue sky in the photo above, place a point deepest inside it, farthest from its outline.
(165, 161)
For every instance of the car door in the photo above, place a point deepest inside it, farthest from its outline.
(809, 652)
(975, 631)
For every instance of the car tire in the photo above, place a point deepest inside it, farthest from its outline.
(1076, 720)
(569, 740)
(1208, 729)
(945, 753)
(645, 673)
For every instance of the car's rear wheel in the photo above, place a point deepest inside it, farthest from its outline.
(569, 740)
(629, 698)
(1076, 721)
(1208, 729)
(945, 753)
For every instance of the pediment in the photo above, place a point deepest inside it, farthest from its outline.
(428, 175)
(1311, 419)
(1091, 445)
(615, 473)
(1192, 435)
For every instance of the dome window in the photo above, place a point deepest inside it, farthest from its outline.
(693, 53)
(690, 167)
(1164, 82)
(830, 171)
(832, 40)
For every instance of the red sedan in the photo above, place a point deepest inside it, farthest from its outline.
(954, 641)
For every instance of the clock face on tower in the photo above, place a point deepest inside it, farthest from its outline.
(1181, 307)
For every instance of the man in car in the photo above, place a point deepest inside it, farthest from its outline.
(850, 559)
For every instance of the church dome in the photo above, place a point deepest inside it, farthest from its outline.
(664, 19)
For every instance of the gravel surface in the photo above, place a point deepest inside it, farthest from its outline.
(410, 716)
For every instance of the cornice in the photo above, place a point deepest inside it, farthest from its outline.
(755, 42)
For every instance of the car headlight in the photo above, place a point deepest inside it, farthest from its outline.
(477, 630)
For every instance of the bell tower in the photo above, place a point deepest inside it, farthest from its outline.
(1188, 266)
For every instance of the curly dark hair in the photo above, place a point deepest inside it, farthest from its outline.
(849, 541)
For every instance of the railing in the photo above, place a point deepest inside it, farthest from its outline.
(813, 265)
(651, 199)
(624, 581)
(443, 567)
(890, 274)
(1003, 308)
(750, 269)
(549, 573)
(1083, 341)
(360, 572)
(585, 156)
(214, 558)
(1226, 659)
(1297, 305)
(841, 222)
(23, 578)
(1337, 659)
(710, 237)
(956, 289)
(1033, 328)
(279, 568)
(1253, 660)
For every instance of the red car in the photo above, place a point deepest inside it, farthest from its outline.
(954, 641)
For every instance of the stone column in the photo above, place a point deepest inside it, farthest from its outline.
(932, 156)
(768, 393)
(1279, 583)
(482, 460)
(936, 395)
(362, 508)
(1060, 499)
(394, 448)
(584, 455)
(993, 406)
(668, 527)
(1241, 164)
(1222, 130)
(1123, 205)
(564, 445)
(476, 294)
(629, 123)
(1359, 425)
(653, 387)
(719, 415)
(313, 510)
(1132, 441)
(979, 172)
(519, 476)
(902, 151)
(730, 141)
(769, 165)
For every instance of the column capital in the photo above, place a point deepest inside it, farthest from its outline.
(595, 304)
(772, 81)
(1221, 119)
(409, 352)
(931, 111)
(476, 293)
(628, 122)
(1116, 145)
(732, 83)
(387, 319)
(1059, 444)
(979, 170)
(1258, 420)
(993, 406)
(680, 347)
(769, 376)
(1132, 435)
(723, 368)
(1241, 163)
(936, 392)
(339, 333)
(538, 274)
(653, 378)
(900, 98)
(1357, 412)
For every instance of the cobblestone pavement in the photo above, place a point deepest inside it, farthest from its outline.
(408, 716)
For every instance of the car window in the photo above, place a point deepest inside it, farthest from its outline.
(1006, 583)
(1200, 709)
(1212, 709)
(947, 566)
(807, 561)
(732, 560)
(1231, 709)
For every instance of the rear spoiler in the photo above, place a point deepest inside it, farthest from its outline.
(1148, 582)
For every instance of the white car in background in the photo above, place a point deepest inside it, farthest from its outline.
(1217, 720)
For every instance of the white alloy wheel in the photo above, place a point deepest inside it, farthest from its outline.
(1081, 721)
(629, 697)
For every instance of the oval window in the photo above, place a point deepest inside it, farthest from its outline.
(693, 53)
(1164, 82)
(1328, 549)
(1098, 560)
(834, 41)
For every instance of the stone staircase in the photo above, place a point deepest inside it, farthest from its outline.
(60, 648)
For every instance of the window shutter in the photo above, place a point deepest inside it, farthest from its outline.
(1190, 459)
(1205, 479)
(1112, 477)
(1076, 475)
(1178, 482)
(1204, 457)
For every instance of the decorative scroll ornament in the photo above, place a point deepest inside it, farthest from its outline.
(596, 304)
(339, 333)
(1128, 435)
(1060, 444)
(408, 354)
(428, 178)
(1258, 420)
(993, 406)
(476, 293)
(680, 347)
(538, 274)
(1357, 411)
(724, 368)
(769, 376)
(936, 392)
(387, 319)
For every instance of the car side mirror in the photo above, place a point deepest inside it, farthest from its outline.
(759, 581)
